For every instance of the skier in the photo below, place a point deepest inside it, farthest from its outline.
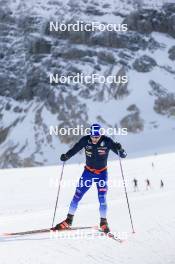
(148, 184)
(97, 148)
(161, 184)
(135, 182)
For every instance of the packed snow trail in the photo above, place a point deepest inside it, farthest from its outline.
(27, 202)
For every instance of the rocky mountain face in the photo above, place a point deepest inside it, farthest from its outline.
(29, 52)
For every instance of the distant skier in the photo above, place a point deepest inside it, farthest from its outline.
(135, 182)
(148, 184)
(97, 148)
(161, 184)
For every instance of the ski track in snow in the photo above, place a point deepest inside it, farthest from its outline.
(27, 202)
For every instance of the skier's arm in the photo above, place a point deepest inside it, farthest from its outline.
(117, 149)
(75, 149)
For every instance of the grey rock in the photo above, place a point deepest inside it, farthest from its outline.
(171, 53)
(157, 89)
(8, 85)
(39, 45)
(119, 90)
(133, 123)
(5, 14)
(107, 57)
(75, 53)
(3, 134)
(149, 20)
(144, 64)
(8, 106)
(133, 107)
(97, 67)
(165, 105)
(17, 109)
(11, 159)
(92, 10)
(132, 41)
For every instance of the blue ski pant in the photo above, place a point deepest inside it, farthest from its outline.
(85, 182)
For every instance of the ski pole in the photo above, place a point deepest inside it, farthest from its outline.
(58, 193)
(126, 194)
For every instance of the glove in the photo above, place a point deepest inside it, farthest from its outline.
(118, 146)
(122, 153)
(63, 157)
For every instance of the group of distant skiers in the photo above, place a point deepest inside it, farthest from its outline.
(148, 184)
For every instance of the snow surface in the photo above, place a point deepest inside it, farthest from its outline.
(27, 202)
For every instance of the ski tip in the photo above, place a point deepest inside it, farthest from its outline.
(6, 234)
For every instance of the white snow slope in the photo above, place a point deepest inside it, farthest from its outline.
(27, 201)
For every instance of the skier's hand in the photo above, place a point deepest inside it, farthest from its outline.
(63, 157)
(118, 146)
(122, 153)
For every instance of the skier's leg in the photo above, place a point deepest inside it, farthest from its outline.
(84, 184)
(102, 192)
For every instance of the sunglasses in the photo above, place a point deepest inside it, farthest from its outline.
(95, 136)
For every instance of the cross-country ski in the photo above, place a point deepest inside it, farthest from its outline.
(46, 230)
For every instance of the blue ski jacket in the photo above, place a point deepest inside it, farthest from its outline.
(96, 154)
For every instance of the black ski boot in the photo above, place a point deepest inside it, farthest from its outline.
(66, 224)
(104, 225)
